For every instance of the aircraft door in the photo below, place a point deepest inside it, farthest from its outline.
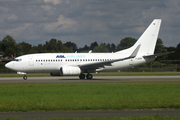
(31, 60)
(131, 62)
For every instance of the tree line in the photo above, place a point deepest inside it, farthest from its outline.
(9, 47)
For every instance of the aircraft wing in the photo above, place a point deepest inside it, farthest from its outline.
(96, 65)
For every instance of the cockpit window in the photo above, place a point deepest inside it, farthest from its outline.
(17, 60)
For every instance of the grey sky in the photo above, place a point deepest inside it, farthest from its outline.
(86, 21)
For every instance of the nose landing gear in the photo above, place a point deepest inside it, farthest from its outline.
(22, 73)
(25, 77)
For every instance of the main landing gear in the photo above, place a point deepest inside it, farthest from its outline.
(88, 76)
(25, 77)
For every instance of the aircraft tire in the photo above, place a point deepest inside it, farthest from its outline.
(89, 76)
(25, 77)
(82, 76)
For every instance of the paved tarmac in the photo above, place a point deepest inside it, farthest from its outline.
(92, 114)
(96, 79)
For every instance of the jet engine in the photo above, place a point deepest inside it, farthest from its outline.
(67, 70)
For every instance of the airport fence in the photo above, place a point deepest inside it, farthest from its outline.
(6, 71)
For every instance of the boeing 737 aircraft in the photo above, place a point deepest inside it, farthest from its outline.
(59, 64)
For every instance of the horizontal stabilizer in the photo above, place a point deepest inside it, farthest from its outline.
(158, 54)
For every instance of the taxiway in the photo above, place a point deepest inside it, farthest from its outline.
(96, 79)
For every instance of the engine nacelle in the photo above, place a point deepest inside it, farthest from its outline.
(67, 70)
(70, 70)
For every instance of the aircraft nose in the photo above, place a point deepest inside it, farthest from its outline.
(8, 65)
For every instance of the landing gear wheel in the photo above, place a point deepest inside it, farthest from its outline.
(89, 76)
(25, 77)
(82, 76)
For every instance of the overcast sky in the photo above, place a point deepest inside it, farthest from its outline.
(87, 21)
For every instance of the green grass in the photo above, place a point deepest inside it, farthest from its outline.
(117, 96)
(115, 118)
(100, 74)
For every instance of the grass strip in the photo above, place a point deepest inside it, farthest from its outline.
(100, 74)
(101, 96)
(114, 118)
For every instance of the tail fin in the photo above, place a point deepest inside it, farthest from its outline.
(147, 40)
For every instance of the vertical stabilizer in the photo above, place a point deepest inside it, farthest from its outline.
(147, 40)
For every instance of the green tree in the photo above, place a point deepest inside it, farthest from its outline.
(172, 56)
(40, 48)
(56, 46)
(126, 43)
(160, 48)
(71, 44)
(85, 49)
(101, 48)
(177, 52)
(34, 49)
(24, 48)
(93, 45)
(50, 46)
(1, 52)
(9, 46)
(113, 48)
(108, 47)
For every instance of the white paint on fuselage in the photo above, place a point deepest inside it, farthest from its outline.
(51, 62)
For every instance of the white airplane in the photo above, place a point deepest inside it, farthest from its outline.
(59, 64)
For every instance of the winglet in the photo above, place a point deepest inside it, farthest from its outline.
(135, 52)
